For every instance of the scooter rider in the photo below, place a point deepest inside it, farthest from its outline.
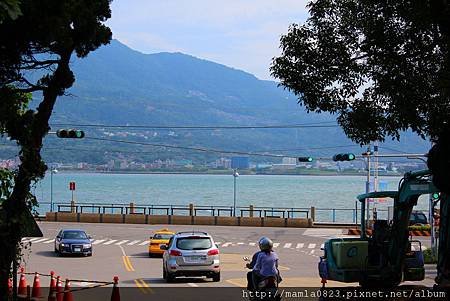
(250, 266)
(266, 263)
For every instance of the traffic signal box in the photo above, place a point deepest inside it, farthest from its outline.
(344, 157)
(70, 133)
(305, 159)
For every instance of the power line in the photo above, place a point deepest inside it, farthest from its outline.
(200, 149)
(325, 124)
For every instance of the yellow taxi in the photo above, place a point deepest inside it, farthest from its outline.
(160, 237)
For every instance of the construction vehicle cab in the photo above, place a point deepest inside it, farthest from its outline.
(385, 258)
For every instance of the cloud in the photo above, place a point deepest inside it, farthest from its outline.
(240, 33)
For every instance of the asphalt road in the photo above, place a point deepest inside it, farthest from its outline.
(122, 250)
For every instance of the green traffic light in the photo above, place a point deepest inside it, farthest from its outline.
(305, 159)
(435, 195)
(351, 157)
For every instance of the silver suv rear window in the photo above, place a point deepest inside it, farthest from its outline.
(194, 243)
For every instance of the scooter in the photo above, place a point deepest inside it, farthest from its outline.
(266, 288)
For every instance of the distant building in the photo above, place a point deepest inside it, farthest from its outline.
(288, 160)
(240, 162)
(223, 163)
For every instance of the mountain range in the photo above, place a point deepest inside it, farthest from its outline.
(116, 85)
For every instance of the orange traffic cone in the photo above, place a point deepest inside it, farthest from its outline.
(22, 290)
(115, 296)
(10, 286)
(67, 293)
(36, 292)
(52, 286)
(59, 290)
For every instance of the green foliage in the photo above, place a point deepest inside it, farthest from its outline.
(428, 256)
(382, 67)
(9, 9)
(6, 184)
(420, 228)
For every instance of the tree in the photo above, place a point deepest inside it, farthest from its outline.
(381, 66)
(35, 52)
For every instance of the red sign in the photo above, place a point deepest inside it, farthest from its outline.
(72, 185)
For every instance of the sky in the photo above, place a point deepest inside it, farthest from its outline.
(242, 34)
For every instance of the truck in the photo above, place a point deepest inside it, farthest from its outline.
(385, 258)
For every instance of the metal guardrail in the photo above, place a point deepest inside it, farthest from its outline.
(327, 215)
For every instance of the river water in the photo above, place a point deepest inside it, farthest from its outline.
(181, 189)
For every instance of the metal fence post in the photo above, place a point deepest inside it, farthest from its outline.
(313, 213)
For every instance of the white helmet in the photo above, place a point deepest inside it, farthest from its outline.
(265, 244)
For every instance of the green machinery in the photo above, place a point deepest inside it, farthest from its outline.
(385, 258)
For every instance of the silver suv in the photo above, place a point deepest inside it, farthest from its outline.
(191, 254)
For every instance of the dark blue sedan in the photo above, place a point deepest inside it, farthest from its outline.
(73, 241)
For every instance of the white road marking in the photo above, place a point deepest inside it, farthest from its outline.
(40, 240)
(48, 241)
(121, 242)
(123, 251)
(312, 252)
(311, 246)
(133, 242)
(98, 241)
(110, 242)
(192, 284)
(299, 245)
(276, 244)
(252, 244)
(143, 243)
(240, 243)
(227, 244)
(287, 245)
(218, 242)
(322, 246)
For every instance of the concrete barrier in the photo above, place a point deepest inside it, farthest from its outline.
(204, 220)
(112, 218)
(226, 221)
(251, 221)
(66, 217)
(90, 218)
(274, 222)
(181, 220)
(50, 216)
(134, 218)
(158, 219)
(299, 223)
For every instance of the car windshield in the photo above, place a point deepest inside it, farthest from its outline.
(162, 236)
(194, 243)
(74, 235)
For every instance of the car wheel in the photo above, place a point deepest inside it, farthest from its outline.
(169, 277)
(216, 277)
(164, 274)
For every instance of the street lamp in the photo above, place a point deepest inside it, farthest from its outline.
(52, 171)
(235, 175)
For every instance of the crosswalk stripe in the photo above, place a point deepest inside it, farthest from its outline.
(98, 241)
(252, 244)
(218, 242)
(48, 241)
(240, 243)
(311, 246)
(40, 240)
(227, 244)
(133, 242)
(322, 246)
(287, 245)
(110, 242)
(121, 242)
(299, 245)
(312, 252)
(33, 239)
(276, 244)
(143, 243)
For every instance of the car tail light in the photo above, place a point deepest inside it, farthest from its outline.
(175, 253)
(213, 252)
